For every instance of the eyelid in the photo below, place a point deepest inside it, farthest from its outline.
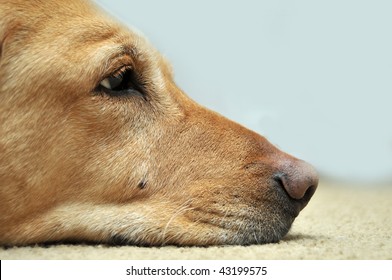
(121, 71)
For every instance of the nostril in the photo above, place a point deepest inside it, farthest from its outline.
(278, 179)
(298, 178)
(309, 193)
(281, 180)
(297, 187)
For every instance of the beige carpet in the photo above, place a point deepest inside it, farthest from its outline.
(341, 222)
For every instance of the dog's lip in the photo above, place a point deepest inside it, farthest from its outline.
(293, 208)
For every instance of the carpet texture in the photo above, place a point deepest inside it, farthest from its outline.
(340, 222)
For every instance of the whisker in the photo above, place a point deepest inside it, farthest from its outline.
(181, 209)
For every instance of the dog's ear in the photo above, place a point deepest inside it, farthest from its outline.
(1, 38)
(5, 29)
(3, 26)
(9, 25)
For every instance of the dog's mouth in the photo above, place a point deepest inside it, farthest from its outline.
(237, 222)
(208, 218)
(217, 229)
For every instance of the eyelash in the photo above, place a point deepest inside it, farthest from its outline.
(121, 71)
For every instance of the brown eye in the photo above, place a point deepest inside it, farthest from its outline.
(122, 82)
(113, 83)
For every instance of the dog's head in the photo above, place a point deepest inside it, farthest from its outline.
(97, 143)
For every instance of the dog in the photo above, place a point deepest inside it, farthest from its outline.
(98, 144)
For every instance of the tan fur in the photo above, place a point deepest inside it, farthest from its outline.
(82, 166)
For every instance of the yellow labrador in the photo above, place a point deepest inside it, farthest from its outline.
(98, 144)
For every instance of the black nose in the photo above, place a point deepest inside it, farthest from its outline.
(299, 179)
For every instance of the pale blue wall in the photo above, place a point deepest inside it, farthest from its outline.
(314, 77)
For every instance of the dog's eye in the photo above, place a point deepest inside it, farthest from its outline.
(122, 82)
(113, 83)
